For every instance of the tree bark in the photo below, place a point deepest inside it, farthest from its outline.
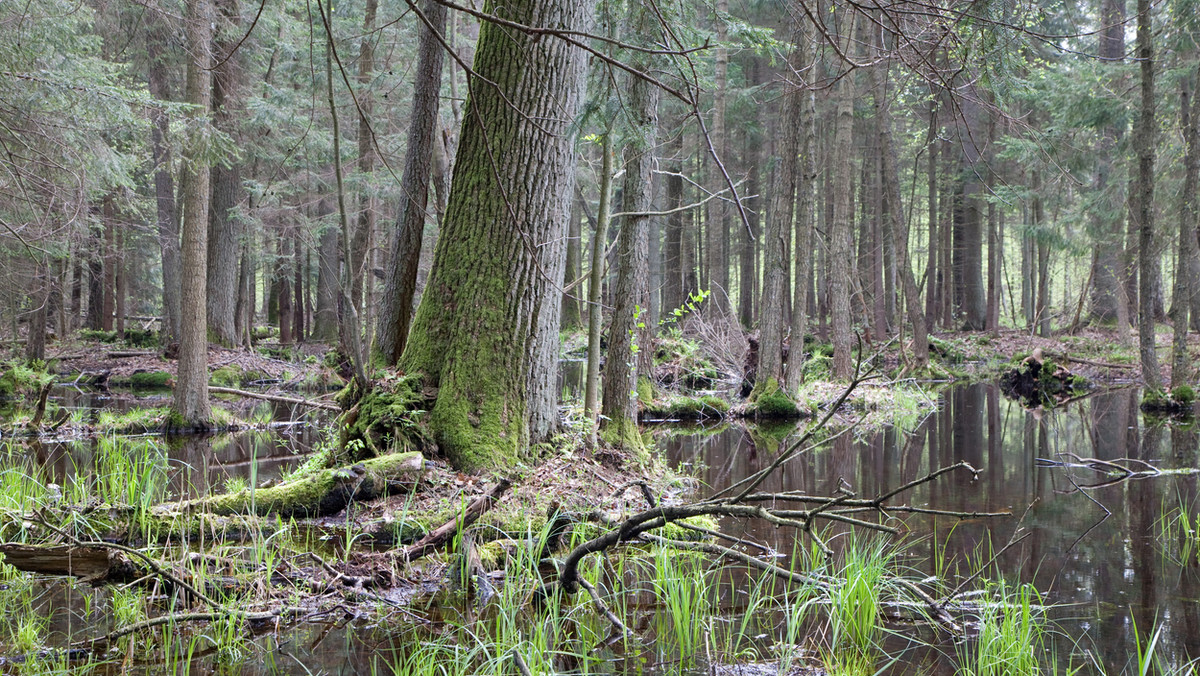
(716, 222)
(486, 330)
(164, 180)
(806, 166)
(226, 183)
(1185, 282)
(780, 218)
(894, 212)
(395, 313)
(591, 397)
(190, 405)
(841, 246)
(629, 340)
(1108, 220)
(366, 159)
(1144, 142)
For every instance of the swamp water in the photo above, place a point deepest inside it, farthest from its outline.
(1106, 582)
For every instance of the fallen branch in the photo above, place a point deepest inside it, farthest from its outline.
(442, 534)
(276, 398)
(125, 354)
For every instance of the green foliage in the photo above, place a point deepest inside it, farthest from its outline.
(20, 378)
(150, 379)
(1183, 394)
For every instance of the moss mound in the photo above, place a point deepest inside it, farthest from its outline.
(388, 418)
(771, 402)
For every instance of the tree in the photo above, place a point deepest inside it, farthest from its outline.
(1144, 143)
(629, 339)
(190, 406)
(486, 331)
(395, 315)
(841, 245)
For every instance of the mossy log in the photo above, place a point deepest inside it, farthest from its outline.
(322, 492)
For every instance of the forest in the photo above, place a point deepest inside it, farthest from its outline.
(599, 336)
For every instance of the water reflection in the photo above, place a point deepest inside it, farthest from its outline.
(1105, 571)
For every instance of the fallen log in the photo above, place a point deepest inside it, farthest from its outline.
(321, 493)
(88, 563)
(442, 534)
(127, 354)
(275, 397)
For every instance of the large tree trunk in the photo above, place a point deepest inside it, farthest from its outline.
(487, 326)
(1144, 141)
(628, 339)
(780, 217)
(395, 314)
(223, 230)
(190, 406)
(1107, 221)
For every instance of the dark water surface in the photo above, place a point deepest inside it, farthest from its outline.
(1102, 572)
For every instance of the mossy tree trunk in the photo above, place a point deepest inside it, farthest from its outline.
(486, 331)
(629, 339)
(395, 313)
(190, 407)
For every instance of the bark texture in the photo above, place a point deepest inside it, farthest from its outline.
(395, 313)
(841, 246)
(628, 339)
(164, 180)
(223, 231)
(190, 405)
(1147, 259)
(486, 330)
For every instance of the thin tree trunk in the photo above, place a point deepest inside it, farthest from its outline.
(164, 181)
(571, 319)
(841, 246)
(1144, 142)
(366, 157)
(629, 340)
(893, 210)
(806, 167)
(396, 312)
(716, 222)
(1185, 282)
(591, 397)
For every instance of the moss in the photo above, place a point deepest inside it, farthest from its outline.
(772, 402)
(226, 376)
(679, 407)
(624, 434)
(645, 391)
(386, 419)
(97, 335)
(150, 379)
(1183, 394)
(317, 493)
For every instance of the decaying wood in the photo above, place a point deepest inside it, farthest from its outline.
(442, 534)
(125, 354)
(275, 397)
(88, 563)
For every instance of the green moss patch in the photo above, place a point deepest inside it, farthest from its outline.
(771, 402)
(680, 407)
(390, 417)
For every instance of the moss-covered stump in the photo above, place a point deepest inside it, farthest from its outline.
(389, 418)
(1037, 381)
(768, 401)
(322, 492)
(1179, 402)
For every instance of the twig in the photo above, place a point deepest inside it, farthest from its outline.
(440, 535)
(276, 398)
(603, 608)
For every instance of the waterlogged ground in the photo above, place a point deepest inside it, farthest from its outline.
(1111, 562)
